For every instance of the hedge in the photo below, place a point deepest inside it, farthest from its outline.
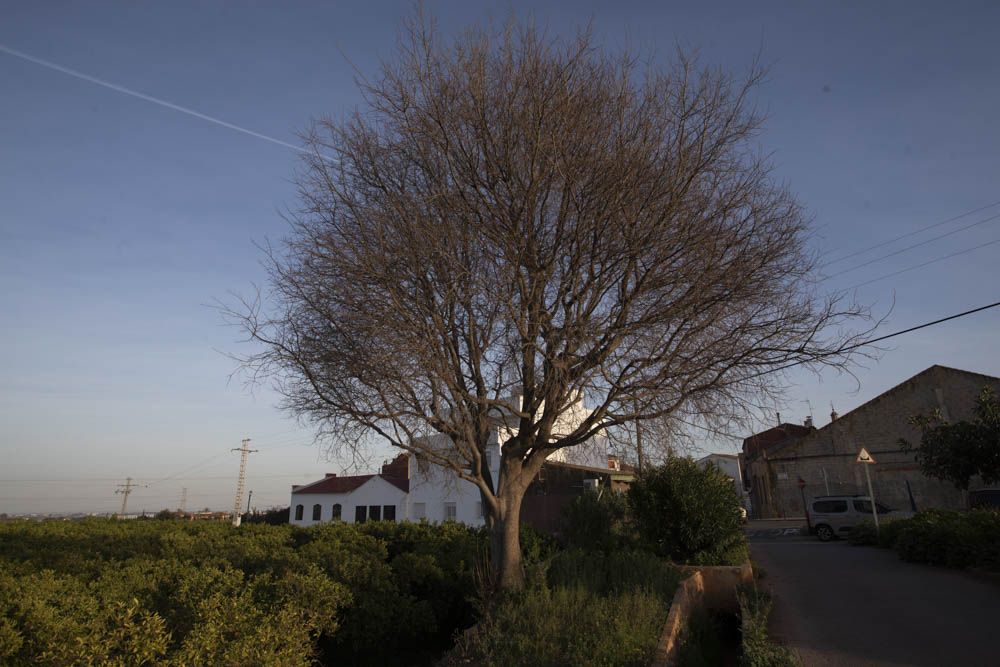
(170, 592)
(939, 537)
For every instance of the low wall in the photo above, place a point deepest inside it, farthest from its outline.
(707, 588)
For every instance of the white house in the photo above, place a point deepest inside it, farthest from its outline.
(729, 464)
(408, 489)
(354, 498)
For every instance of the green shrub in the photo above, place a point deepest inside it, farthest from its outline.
(689, 514)
(863, 534)
(597, 522)
(565, 626)
(173, 592)
(614, 572)
(950, 539)
(758, 649)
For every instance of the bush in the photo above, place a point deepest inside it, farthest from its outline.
(614, 572)
(863, 534)
(951, 539)
(129, 592)
(597, 522)
(565, 626)
(689, 514)
(758, 649)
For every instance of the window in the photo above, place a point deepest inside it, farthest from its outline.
(335, 512)
(830, 506)
(389, 513)
(360, 513)
(479, 509)
(375, 513)
(865, 506)
(298, 512)
(489, 459)
(317, 511)
(450, 512)
(419, 511)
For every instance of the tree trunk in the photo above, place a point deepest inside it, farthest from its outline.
(505, 542)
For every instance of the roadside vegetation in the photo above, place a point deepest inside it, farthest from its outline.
(758, 649)
(939, 537)
(603, 596)
(172, 592)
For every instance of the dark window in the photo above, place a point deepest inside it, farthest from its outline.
(298, 512)
(865, 506)
(389, 512)
(335, 512)
(360, 513)
(375, 512)
(830, 506)
(317, 511)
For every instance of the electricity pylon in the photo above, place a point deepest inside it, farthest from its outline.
(241, 484)
(125, 489)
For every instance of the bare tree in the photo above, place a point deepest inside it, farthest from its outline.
(512, 222)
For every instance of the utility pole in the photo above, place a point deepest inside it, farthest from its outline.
(184, 499)
(244, 451)
(125, 489)
(248, 500)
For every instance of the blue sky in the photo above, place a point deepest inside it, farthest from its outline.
(120, 219)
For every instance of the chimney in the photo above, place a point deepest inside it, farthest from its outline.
(330, 474)
(779, 418)
(809, 421)
(833, 414)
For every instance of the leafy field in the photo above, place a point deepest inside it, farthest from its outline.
(105, 592)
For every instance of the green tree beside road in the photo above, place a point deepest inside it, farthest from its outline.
(960, 451)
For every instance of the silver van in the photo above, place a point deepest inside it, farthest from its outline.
(835, 516)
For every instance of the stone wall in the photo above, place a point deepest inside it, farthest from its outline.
(825, 459)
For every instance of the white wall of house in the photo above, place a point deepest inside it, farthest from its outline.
(439, 495)
(730, 467)
(375, 491)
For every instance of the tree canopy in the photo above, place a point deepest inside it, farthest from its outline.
(513, 222)
(959, 451)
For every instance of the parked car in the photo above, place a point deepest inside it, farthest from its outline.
(834, 516)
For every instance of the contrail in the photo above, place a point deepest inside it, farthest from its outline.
(148, 98)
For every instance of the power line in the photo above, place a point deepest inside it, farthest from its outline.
(148, 98)
(879, 339)
(915, 245)
(923, 264)
(870, 342)
(909, 234)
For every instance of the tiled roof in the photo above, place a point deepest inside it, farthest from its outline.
(334, 484)
(399, 482)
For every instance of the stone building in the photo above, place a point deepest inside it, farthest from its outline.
(824, 459)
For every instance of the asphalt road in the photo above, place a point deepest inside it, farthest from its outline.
(836, 604)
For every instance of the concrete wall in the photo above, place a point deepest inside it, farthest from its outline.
(375, 491)
(707, 587)
(825, 459)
